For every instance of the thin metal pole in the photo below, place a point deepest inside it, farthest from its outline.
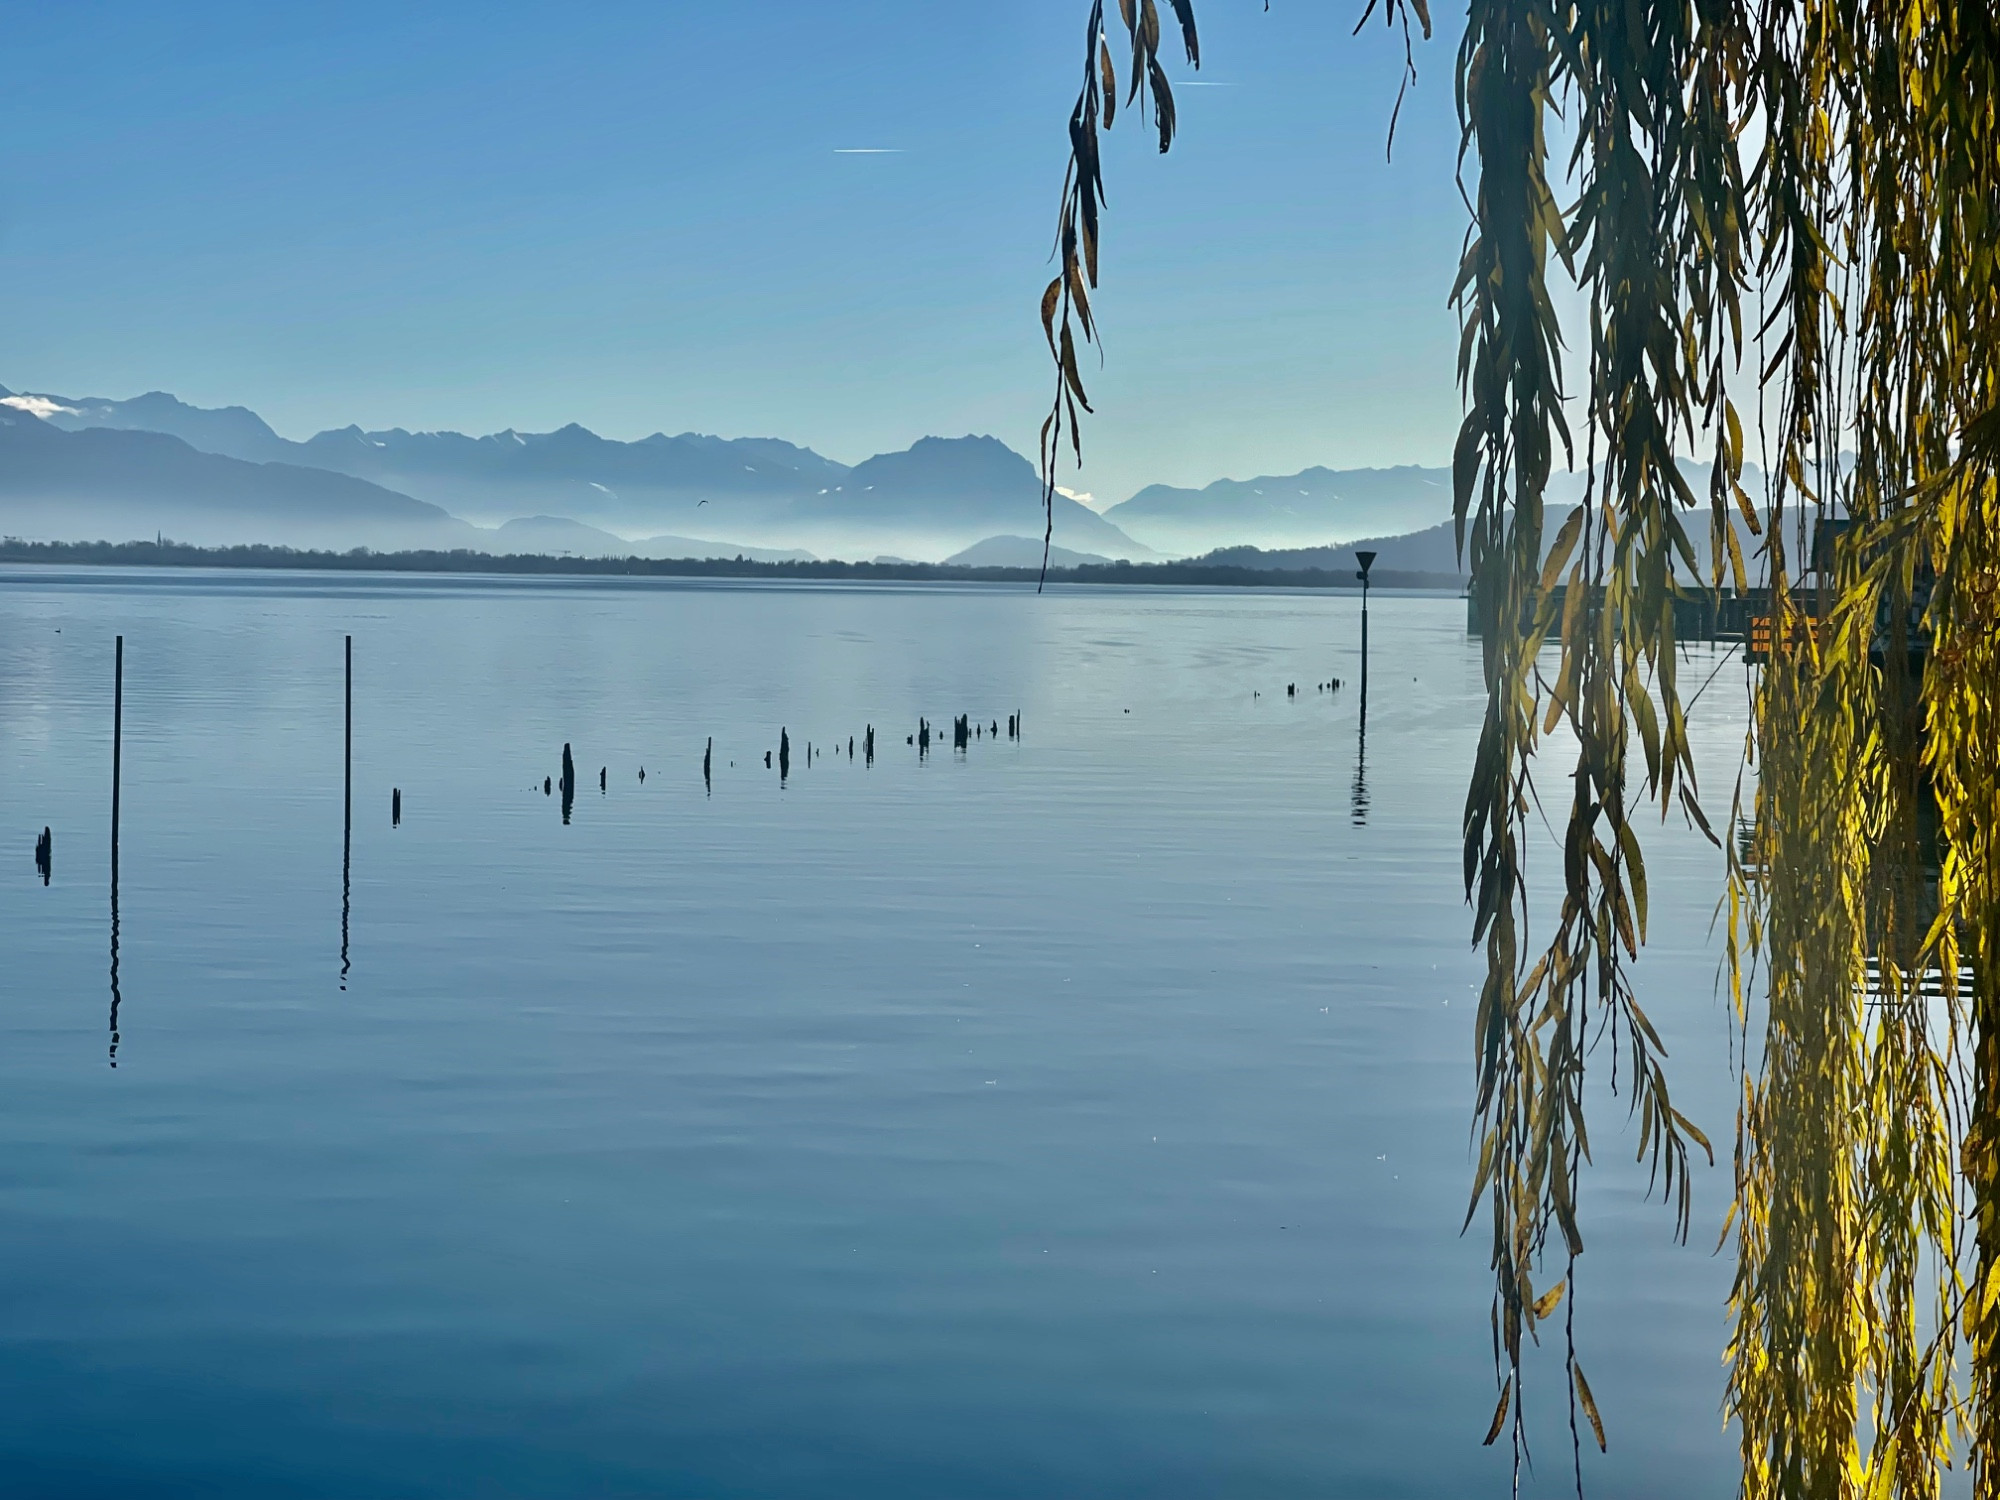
(117, 750)
(1364, 647)
(347, 757)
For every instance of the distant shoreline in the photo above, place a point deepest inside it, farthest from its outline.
(1172, 574)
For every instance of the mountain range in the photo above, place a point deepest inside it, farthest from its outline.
(1311, 508)
(77, 467)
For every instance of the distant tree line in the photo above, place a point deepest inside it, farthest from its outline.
(170, 554)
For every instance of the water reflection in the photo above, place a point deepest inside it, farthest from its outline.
(347, 813)
(117, 778)
(842, 1167)
(116, 998)
(346, 868)
(1360, 793)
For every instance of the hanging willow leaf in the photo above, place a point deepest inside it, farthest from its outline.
(1500, 1414)
(1589, 1403)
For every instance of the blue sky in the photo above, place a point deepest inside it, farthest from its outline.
(640, 217)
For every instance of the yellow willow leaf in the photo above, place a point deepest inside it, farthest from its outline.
(1548, 1302)
(1693, 1130)
(1639, 1019)
(1534, 980)
(1079, 299)
(1481, 1178)
(1635, 869)
(1559, 552)
(1738, 574)
(1622, 914)
(1499, 1414)
(1070, 376)
(1879, 1478)
(1589, 1406)
(1558, 701)
(1750, 517)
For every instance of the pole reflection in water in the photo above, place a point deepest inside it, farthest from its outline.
(344, 866)
(117, 768)
(347, 813)
(1361, 772)
(116, 998)
(1367, 561)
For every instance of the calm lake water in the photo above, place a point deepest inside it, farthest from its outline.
(1086, 1115)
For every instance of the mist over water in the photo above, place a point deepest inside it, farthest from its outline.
(1079, 1114)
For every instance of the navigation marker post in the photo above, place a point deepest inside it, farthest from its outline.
(1367, 561)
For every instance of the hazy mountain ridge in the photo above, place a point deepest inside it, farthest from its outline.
(118, 483)
(1019, 552)
(111, 483)
(938, 497)
(1434, 550)
(1314, 507)
(93, 468)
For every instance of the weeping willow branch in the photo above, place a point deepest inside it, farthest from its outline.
(1817, 181)
(1066, 313)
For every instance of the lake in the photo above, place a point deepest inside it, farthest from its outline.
(1083, 1114)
